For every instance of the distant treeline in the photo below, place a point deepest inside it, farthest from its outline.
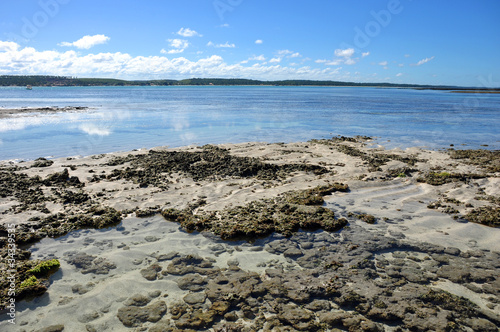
(41, 80)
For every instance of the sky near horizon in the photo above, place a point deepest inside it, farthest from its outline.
(396, 41)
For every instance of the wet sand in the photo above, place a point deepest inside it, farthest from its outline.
(400, 249)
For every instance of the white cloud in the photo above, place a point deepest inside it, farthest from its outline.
(330, 62)
(383, 63)
(257, 58)
(259, 41)
(226, 45)
(172, 51)
(421, 62)
(344, 56)
(365, 54)
(407, 55)
(8, 46)
(295, 55)
(349, 61)
(225, 25)
(347, 53)
(275, 60)
(29, 61)
(284, 52)
(87, 42)
(186, 32)
(399, 74)
(92, 129)
(178, 43)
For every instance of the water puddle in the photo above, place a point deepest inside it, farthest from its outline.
(102, 268)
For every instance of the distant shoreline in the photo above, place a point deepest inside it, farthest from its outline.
(55, 81)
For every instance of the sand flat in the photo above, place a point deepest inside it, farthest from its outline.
(398, 239)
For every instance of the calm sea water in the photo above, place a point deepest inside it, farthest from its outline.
(125, 118)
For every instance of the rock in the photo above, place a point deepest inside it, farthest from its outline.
(166, 257)
(153, 294)
(452, 251)
(53, 328)
(151, 273)
(298, 295)
(151, 238)
(190, 264)
(137, 300)
(195, 298)
(192, 282)
(196, 319)
(293, 253)
(319, 305)
(274, 273)
(299, 318)
(306, 245)
(91, 264)
(220, 307)
(458, 274)
(231, 316)
(132, 316)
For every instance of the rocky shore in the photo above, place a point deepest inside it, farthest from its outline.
(351, 237)
(11, 112)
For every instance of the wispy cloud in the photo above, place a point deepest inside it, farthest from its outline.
(172, 51)
(87, 42)
(399, 74)
(259, 41)
(257, 58)
(186, 32)
(365, 54)
(226, 45)
(383, 63)
(421, 62)
(284, 52)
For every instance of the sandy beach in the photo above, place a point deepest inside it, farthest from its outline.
(307, 236)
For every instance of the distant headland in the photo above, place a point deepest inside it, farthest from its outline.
(54, 81)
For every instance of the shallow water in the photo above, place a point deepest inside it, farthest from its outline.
(125, 118)
(132, 246)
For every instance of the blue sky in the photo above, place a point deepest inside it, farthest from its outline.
(399, 41)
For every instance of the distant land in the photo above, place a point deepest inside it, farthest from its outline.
(54, 81)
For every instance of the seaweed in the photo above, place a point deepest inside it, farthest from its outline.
(211, 163)
(486, 215)
(285, 214)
